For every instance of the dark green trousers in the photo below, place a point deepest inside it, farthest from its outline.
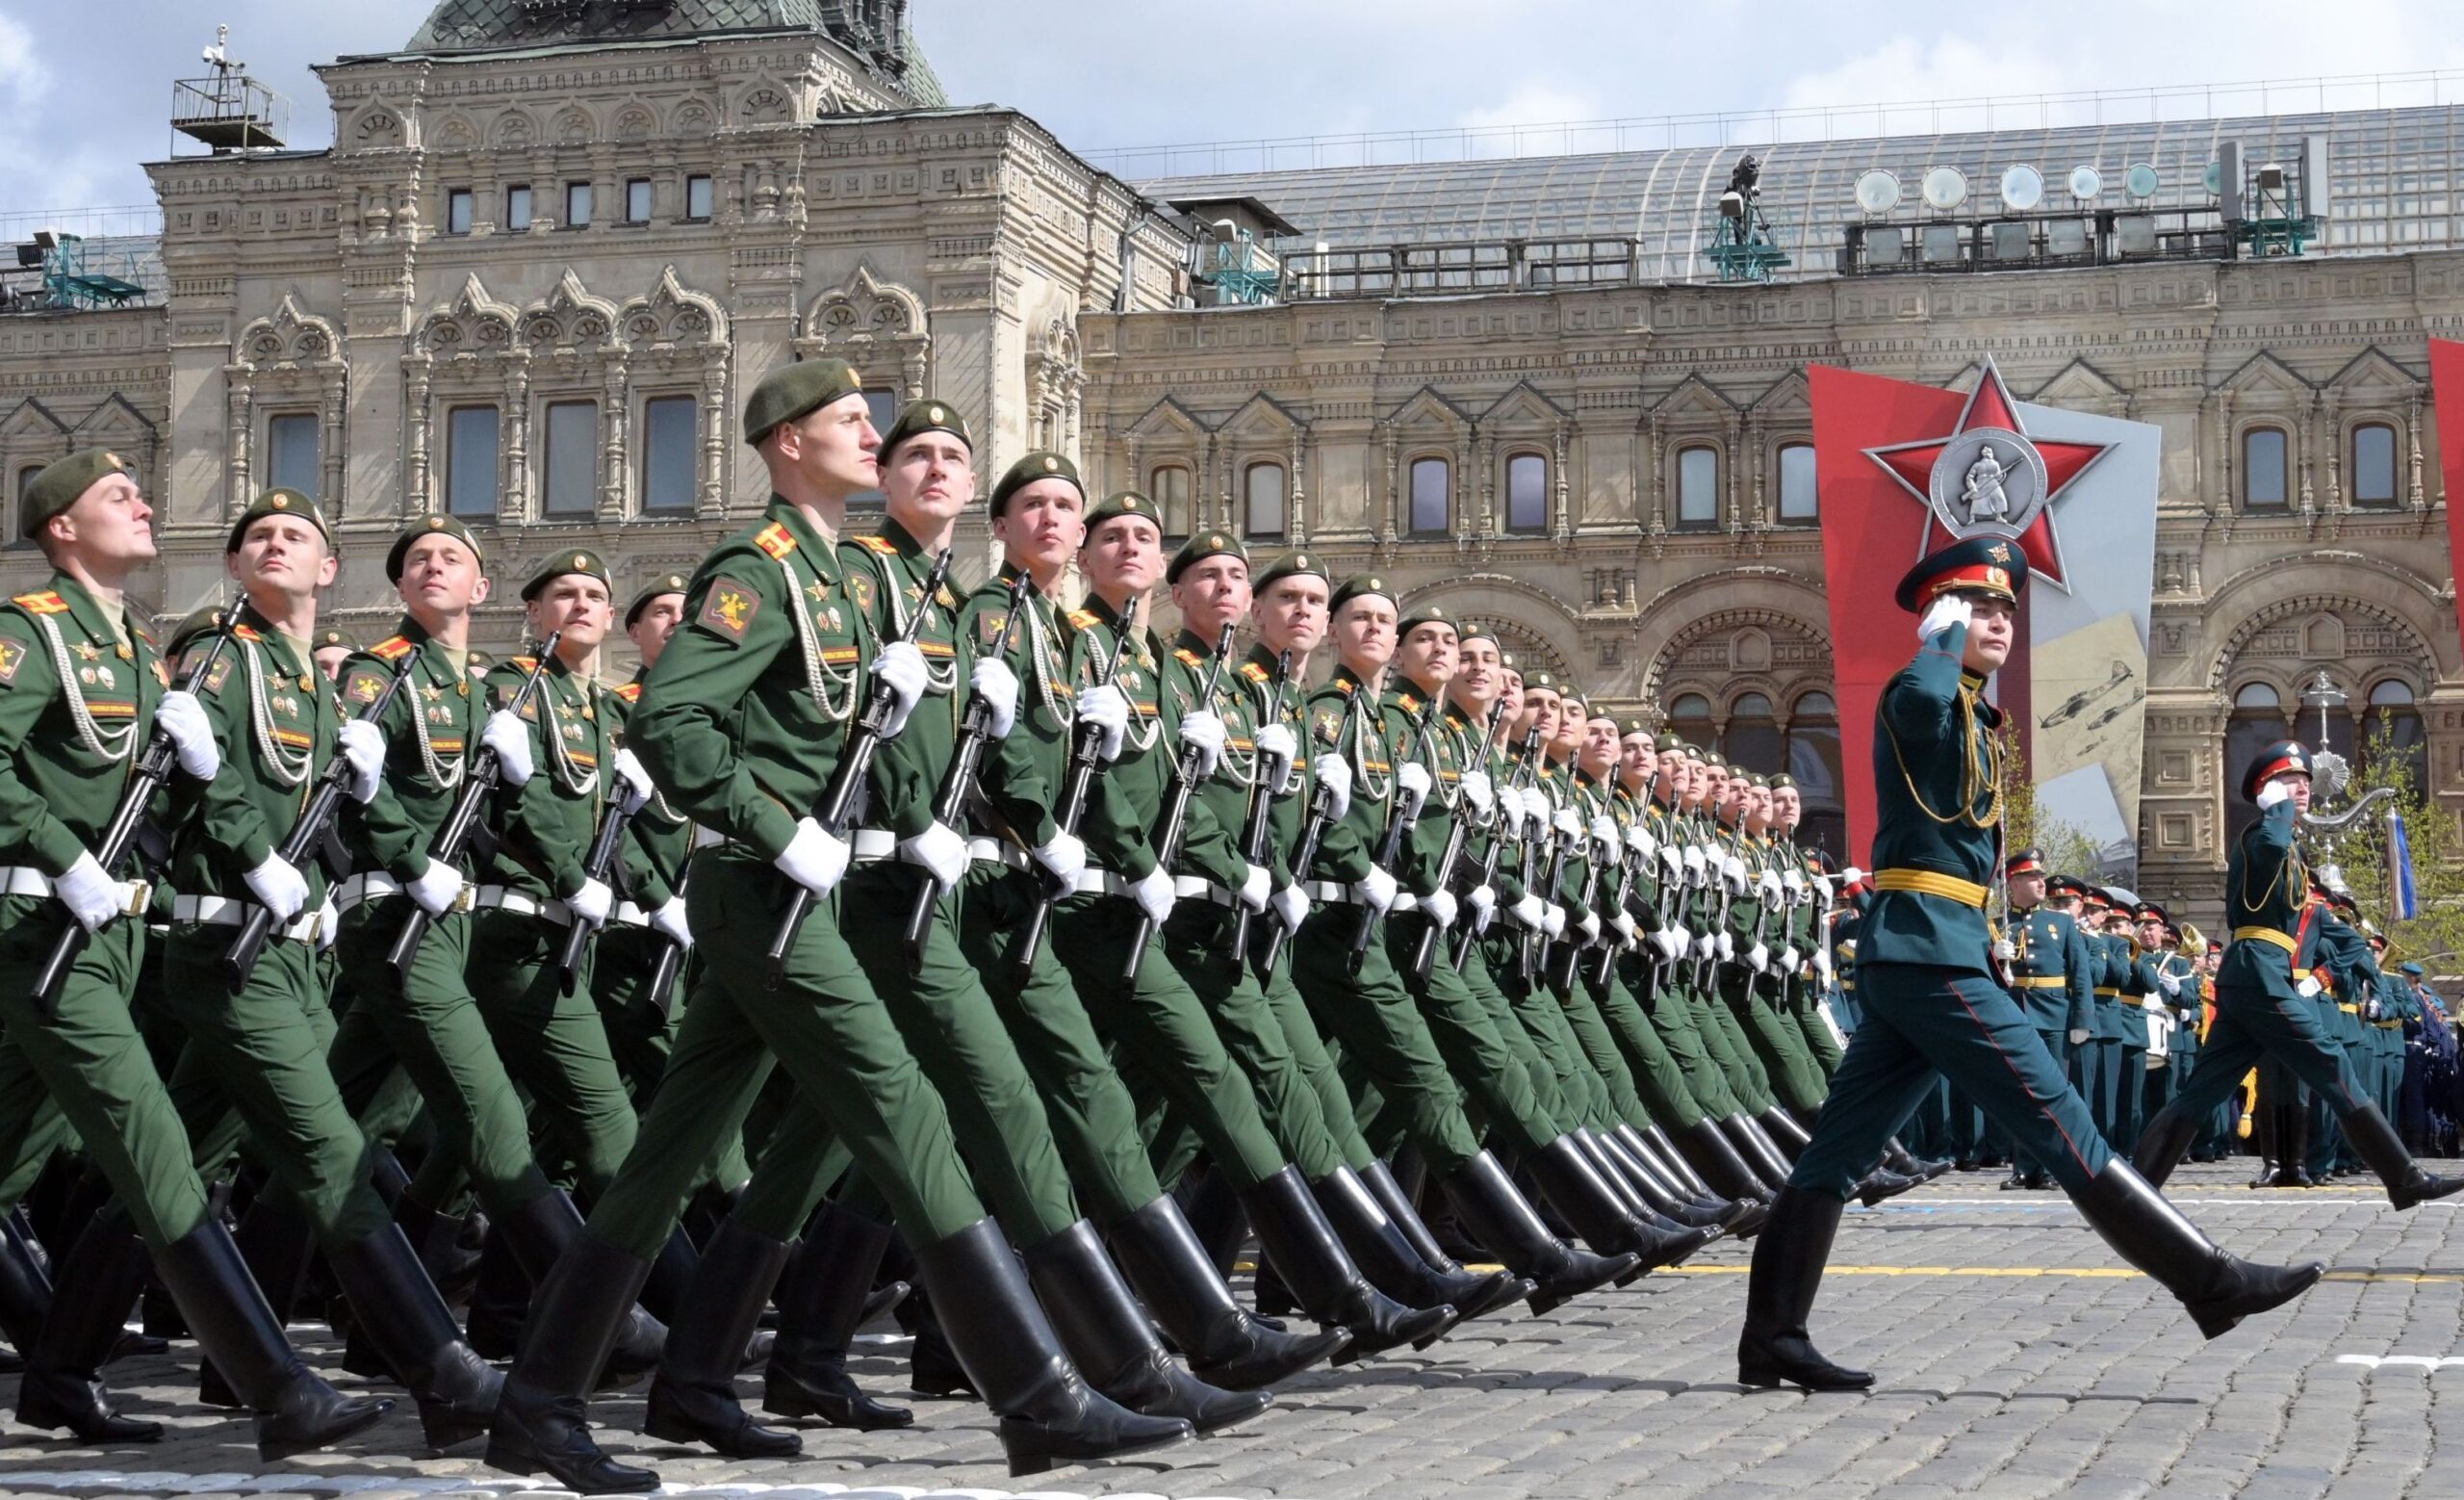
(552, 1042)
(1489, 1070)
(1659, 1079)
(1198, 944)
(1671, 1019)
(1793, 1078)
(1384, 1037)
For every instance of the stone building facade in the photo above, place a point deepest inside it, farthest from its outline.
(534, 278)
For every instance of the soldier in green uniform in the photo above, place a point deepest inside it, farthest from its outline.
(2169, 990)
(1932, 1001)
(330, 648)
(744, 720)
(2050, 967)
(2264, 1006)
(82, 692)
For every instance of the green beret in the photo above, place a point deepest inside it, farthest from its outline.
(1357, 587)
(429, 525)
(1673, 742)
(194, 623)
(1638, 726)
(1757, 782)
(334, 636)
(1197, 549)
(1713, 761)
(1465, 633)
(559, 563)
(478, 661)
(280, 502)
(1027, 470)
(1120, 504)
(1423, 615)
(1291, 564)
(59, 485)
(664, 583)
(1539, 682)
(929, 415)
(797, 390)
(1782, 782)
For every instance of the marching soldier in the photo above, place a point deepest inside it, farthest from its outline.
(1932, 1002)
(2050, 977)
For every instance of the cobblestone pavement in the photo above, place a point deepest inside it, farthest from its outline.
(2016, 1357)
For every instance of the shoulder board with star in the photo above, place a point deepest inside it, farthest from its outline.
(878, 544)
(775, 539)
(1407, 703)
(141, 632)
(46, 602)
(522, 663)
(1253, 672)
(1082, 619)
(247, 633)
(393, 650)
(1187, 657)
(630, 692)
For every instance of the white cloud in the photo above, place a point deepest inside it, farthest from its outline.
(1531, 104)
(23, 77)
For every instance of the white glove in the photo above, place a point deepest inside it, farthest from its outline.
(363, 747)
(1704, 946)
(1413, 777)
(1822, 962)
(1479, 794)
(1671, 943)
(2172, 983)
(1066, 857)
(1696, 867)
(1640, 843)
(1276, 750)
(2309, 988)
(1538, 809)
(1256, 888)
(1758, 958)
(1567, 822)
(90, 895)
(1946, 612)
(278, 888)
(1732, 870)
(940, 852)
(1107, 707)
(1334, 774)
(182, 717)
(436, 887)
(670, 921)
(2271, 793)
(1203, 732)
(900, 668)
(1377, 889)
(1850, 876)
(330, 921)
(997, 685)
(1603, 830)
(2079, 1037)
(635, 778)
(1725, 947)
(1589, 927)
(1154, 895)
(1440, 908)
(1624, 925)
(1553, 922)
(592, 903)
(1531, 911)
(1768, 888)
(1483, 902)
(508, 738)
(1671, 859)
(2003, 950)
(1292, 905)
(1795, 880)
(814, 859)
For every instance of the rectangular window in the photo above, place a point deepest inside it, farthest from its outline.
(577, 205)
(637, 201)
(700, 198)
(568, 485)
(882, 408)
(2373, 465)
(1797, 501)
(1698, 487)
(517, 208)
(670, 434)
(1170, 489)
(457, 210)
(25, 478)
(473, 438)
(2263, 475)
(1262, 500)
(1526, 493)
(1432, 493)
(293, 442)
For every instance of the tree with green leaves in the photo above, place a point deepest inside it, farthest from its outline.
(2434, 937)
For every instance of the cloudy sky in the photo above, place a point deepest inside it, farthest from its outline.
(85, 89)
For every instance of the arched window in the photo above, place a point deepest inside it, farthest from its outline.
(1169, 486)
(1813, 760)
(1431, 497)
(1752, 740)
(1697, 488)
(1263, 492)
(1797, 503)
(2374, 464)
(1526, 493)
(2264, 474)
(1689, 714)
(2257, 722)
(2393, 727)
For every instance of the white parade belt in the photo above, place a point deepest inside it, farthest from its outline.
(216, 911)
(500, 897)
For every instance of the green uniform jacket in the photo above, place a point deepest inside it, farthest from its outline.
(2049, 947)
(1939, 810)
(658, 838)
(544, 828)
(276, 717)
(1128, 797)
(1401, 712)
(885, 573)
(1018, 781)
(428, 728)
(1345, 849)
(2267, 885)
(1211, 847)
(58, 787)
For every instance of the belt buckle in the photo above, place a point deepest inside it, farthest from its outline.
(466, 900)
(141, 898)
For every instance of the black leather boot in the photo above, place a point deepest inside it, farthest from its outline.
(67, 1348)
(1227, 1347)
(296, 1410)
(1386, 1258)
(1495, 1212)
(693, 1397)
(823, 1300)
(2262, 1142)
(535, 1237)
(1049, 1416)
(437, 1240)
(1330, 1288)
(1775, 1349)
(932, 1367)
(1900, 1160)
(1109, 1341)
(2161, 1144)
(1756, 1149)
(2219, 1291)
(401, 1316)
(25, 1287)
(501, 1293)
(542, 1418)
(1883, 1183)
(1485, 1294)
(2375, 1142)
(1713, 1154)
(1574, 1189)
(1784, 1130)
(1661, 1193)
(1214, 1216)
(1655, 1142)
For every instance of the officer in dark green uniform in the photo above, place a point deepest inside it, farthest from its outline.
(744, 719)
(2049, 978)
(1932, 1001)
(82, 692)
(2264, 1006)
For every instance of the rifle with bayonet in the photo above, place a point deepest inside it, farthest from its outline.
(1400, 814)
(599, 864)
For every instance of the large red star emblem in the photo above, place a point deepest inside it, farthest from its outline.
(1990, 407)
